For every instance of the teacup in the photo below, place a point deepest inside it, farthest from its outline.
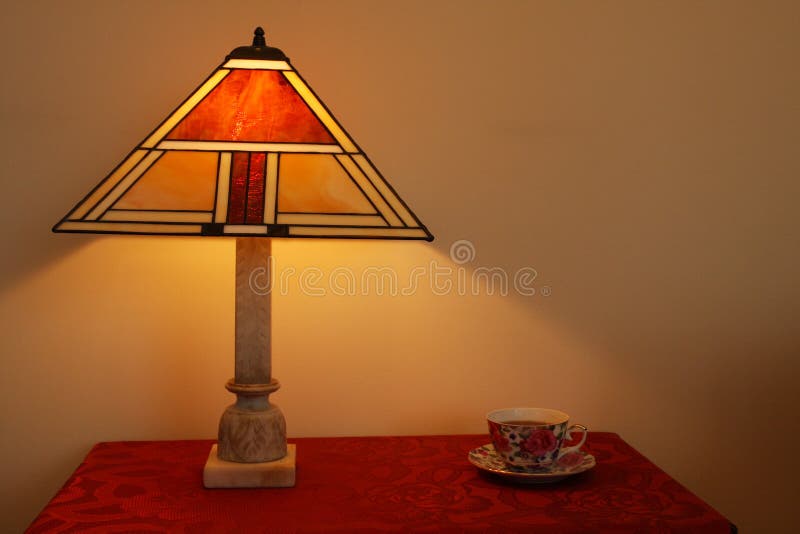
(531, 438)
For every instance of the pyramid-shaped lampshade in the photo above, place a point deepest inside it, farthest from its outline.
(251, 152)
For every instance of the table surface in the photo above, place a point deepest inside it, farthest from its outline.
(367, 484)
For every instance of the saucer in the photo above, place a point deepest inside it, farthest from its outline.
(486, 459)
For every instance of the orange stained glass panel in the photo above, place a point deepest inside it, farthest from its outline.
(312, 183)
(177, 181)
(252, 106)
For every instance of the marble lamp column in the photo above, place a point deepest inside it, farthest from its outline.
(252, 449)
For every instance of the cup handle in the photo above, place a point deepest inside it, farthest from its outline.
(574, 448)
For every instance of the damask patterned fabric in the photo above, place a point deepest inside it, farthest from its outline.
(368, 484)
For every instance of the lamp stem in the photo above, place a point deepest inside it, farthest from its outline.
(253, 311)
(252, 430)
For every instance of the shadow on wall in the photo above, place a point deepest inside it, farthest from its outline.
(67, 123)
(31, 250)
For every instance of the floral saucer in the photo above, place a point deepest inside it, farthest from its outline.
(486, 459)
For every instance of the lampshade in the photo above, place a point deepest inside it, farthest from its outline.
(251, 152)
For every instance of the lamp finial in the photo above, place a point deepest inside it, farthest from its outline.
(258, 37)
(258, 50)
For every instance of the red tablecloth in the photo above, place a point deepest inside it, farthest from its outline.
(421, 483)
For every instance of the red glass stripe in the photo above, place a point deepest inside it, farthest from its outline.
(238, 189)
(254, 106)
(255, 188)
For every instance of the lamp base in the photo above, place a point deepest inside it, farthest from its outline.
(276, 474)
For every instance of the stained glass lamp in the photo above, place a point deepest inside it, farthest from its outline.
(254, 154)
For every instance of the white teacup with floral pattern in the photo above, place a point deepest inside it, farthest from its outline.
(531, 438)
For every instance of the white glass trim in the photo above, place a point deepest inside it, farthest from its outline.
(124, 184)
(316, 106)
(370, 190)
(271, 194)
(223, 185)
(385, 190)
(122, 228)
(258, 64)
(237, 146)
(333, 219)
(316, 231)
(108, 184)
(158, 216)
(244, 229)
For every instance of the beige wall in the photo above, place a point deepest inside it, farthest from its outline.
(642, 156)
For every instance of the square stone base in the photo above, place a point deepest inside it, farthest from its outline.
(276, 474)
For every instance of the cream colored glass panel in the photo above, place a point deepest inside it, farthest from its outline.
(122, 228)
(331, 220)
(123, 184)
(223, 146)
(107, 184)
(370, 190)
(185, 108)
(317, 107)
(310, 183)
(317, 231)
(384, 189)
(223, 186)
(256, 64)
(271, 195)
(244, 229)
(177, 181)
(158, 216)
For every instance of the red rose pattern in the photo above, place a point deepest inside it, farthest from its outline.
(500, 442)
(521, 446)
(540, 442)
